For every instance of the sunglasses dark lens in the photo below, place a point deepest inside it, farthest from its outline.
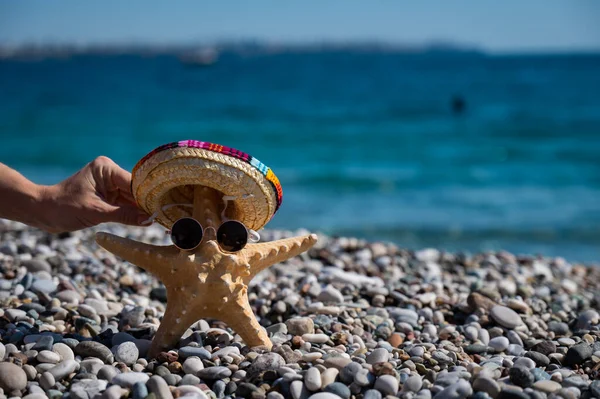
(232, 236)
(186, 233)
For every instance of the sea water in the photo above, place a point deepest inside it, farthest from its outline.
(462, 152)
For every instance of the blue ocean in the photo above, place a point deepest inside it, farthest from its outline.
(463, 152)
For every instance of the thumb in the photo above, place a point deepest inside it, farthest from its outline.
(126, 214)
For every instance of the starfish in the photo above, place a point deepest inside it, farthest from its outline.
(206, 282)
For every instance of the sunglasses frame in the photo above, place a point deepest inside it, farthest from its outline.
(248, 234)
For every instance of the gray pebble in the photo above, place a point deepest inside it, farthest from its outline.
(64, 351)
(372, 394)
(190, 379)
(158, 386)
(43, 286)
(47, 356)
(127, 380)
(338, 389)
(298, 390)
(487, 385)
(505, 316)
(192, 365)
(458, 390)
(378, 355)
(364, 378)
(12, 377)
(312, 379)
(94, 349)
(63, 369)
(127, 353)
(188, 351)
(107, 372)
(500, 344)
(300, 326)
(387, 384)
(214, 373)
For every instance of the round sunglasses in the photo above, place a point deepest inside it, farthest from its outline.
(232, 236)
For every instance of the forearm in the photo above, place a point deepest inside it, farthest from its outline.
(20, 199)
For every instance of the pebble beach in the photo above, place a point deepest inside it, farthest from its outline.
(348, 319)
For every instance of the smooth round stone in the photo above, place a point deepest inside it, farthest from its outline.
(328, 376)
(188, 351)
(300, 326)
(47, 380)
(595, 388)
(315, 338)
(121, 337)
(107, 372)
(387, 384)
(63, 369)
(506, 317)
(521, 376)
(559, 328)
(547, 386)
(458, 390)
(577, 354)
(372, 394)
(412, 384)
(323, 395)
(297, 390)
(44, 343)
(338, 389)
(94, 349)
(379, 355)
(487, 385)
(48, 357)
(312, 379)
(214, 373)
(127, 380)
(544, 347)
(45, 286)
(87, 388)
(417, 351)
(330, 294)
(113, 392)
(190, 379)
(540, 359)
(515, 350)
(192, 365)
(564, 341)
(127, 353)
(37, 395)
(12, 377)
(540, 374)
(2, 351)
(158, 386)
(63, 351)
(500, 344)
(363, 378)
(525, 362)
(264, 362)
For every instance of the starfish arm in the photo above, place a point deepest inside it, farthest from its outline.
(178, 316)
(239, 317)
(263, 255)
(151, 258)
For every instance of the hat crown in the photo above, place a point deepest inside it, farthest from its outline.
(168, 174)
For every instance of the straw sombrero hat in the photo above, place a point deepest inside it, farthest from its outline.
(168, 174)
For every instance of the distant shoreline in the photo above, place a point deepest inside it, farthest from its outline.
(57, 51)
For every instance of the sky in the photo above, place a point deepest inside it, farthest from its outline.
(496, 26)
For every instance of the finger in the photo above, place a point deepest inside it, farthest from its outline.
(120, 178)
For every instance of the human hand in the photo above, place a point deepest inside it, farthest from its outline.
(100, 192)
